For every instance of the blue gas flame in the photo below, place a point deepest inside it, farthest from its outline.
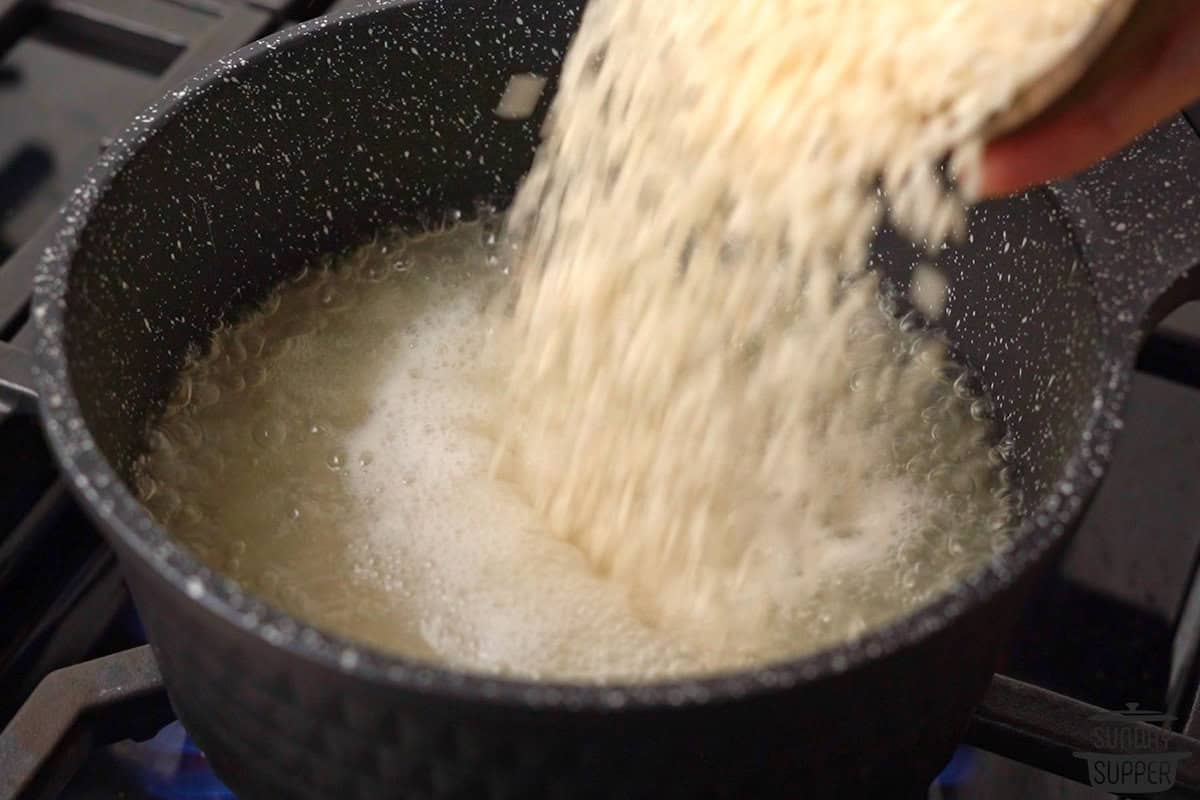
(171, 767)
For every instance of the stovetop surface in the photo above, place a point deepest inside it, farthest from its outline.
(1106, 629)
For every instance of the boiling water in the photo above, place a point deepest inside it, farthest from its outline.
(331, 453)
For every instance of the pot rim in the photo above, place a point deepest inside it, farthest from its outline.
(122, 517)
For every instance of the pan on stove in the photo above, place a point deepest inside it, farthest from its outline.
(310, 141)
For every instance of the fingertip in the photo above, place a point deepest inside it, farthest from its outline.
(1056, 149)
(999, 174)
(1013, 164)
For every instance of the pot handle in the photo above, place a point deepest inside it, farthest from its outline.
(17, 395)
(1185, 288)
(1137, 219)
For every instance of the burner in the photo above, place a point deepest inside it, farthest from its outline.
(171, 767)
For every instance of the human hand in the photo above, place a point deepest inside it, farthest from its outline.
(1156, 74)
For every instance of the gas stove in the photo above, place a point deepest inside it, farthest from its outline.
(1101, 686)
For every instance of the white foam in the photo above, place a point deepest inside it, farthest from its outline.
(492, 590)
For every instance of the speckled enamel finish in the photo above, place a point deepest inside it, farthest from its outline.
(307, 142)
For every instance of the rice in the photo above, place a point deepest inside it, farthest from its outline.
(689, 322)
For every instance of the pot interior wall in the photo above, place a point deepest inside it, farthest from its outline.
(387, 119)
(1021, 314)
(310, 148)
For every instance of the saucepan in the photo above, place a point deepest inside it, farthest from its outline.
(311, 141)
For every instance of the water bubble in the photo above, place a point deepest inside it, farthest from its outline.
(965, 481)
(938, 474)
(206, 394)
(981, 410)
(887, 304)
(180, 473)
(236, 350)
(271, 581)
(327, 295)
(999, 522)
(167, 504)
(995, 457)
(254, 375)
(932, 353)
(278, 345)
(271, 304)
(298, 325)
(402, 262)
(157, 442)
(947, 373)
(145, 485)
(270, 432)
(366, 459)
(191, 515)
(209, 461)
(336, 460)
(182, 394)
(254, 342)
(234, 383)
(201, 547)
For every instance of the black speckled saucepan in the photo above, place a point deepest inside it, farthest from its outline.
(311, 140)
